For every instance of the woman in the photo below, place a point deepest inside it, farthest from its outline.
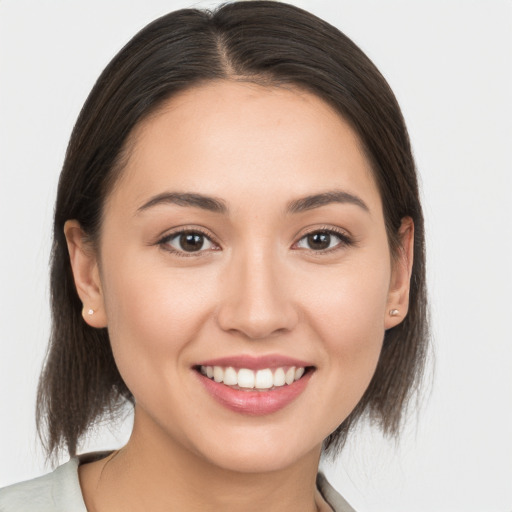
(239, 252)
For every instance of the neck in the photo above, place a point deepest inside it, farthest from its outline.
(154, 472)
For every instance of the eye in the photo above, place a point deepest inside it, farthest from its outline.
(187, 242)
(323, 240)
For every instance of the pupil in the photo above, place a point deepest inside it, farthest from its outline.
(319, 240)
(191, 242)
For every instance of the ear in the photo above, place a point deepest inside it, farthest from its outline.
(398, 295)
(84, 265)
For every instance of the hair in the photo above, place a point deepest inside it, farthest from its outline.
(269, 43)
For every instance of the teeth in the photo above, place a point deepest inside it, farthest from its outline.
(245, 378)
(249, 379)
(289, 377)
(230, 377)
(264, 379)
(218, 374)
(279, 377)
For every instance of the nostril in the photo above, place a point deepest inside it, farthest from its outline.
(253, 299)
(268, 321)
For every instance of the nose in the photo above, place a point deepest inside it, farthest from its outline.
(256, 298)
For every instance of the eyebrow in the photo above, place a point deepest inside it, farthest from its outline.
(211, 204)
(217, 205)
(317, 200)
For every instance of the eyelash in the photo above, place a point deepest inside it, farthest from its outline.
(164, 242)
(344, 241)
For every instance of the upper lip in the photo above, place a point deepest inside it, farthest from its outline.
(255, 362)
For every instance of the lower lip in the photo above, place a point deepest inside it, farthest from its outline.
(255, 403)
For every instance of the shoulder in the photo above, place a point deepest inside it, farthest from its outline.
(331, 496)
(58, 491)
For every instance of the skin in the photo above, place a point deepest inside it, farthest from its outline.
(258, 288)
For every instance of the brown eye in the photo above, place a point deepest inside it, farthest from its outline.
(188, 242)
(323, 240)
(319, 241)
(191, 242)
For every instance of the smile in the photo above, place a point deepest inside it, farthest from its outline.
(246, 379)
(255, 386)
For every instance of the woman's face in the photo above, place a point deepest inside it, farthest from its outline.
(245, 238)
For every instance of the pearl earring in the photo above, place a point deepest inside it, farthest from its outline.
(394, 312)
(90, 312)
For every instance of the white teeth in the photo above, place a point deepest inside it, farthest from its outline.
(279, 377)
(246, 378)
(218, 374)
(299, 372)
(249, 379)
(290, 375)
(230, 377)
(264, 379)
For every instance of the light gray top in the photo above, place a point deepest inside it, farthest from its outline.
(60, 491)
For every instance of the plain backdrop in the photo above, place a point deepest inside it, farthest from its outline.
(449, 63)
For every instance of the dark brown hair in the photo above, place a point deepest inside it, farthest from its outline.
(269, 43)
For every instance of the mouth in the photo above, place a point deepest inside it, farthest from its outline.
(254, 386)
(246, 379)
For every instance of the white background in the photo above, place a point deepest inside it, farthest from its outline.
(449, 63)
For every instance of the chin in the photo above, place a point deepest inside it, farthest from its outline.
(257, 461)
(258, 452)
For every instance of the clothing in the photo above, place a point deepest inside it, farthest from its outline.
(60, 491)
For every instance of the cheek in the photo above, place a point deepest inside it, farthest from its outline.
(152, 315)
(349, 318)
(146, 296)
(351, 299)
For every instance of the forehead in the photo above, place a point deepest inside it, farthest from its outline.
(262, 139)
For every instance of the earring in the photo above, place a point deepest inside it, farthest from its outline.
(394, 312)
(90, 312)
